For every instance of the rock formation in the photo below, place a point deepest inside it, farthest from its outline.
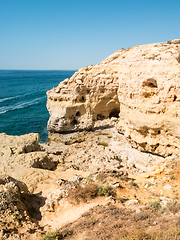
(85, 101)
(15, 221)
(140, 86)
(22, 158)
(149, 90)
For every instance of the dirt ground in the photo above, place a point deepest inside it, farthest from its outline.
(145, 207)
(141, 200)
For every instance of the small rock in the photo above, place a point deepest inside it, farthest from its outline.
(167, 187)
(75, 178)
(131, 202)
(115, 185)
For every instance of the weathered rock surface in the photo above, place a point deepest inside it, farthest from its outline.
(137, 91)
(15, 221)
(85, 101)
(10, 145)
(149, 90)
(21, 158)
(104, 161)
(141, 83)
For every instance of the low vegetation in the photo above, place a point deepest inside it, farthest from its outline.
(103, 144)
(90, 191)
(155, 206)
(101, 177)
(56, 235)
(102, 133)
(163, 235)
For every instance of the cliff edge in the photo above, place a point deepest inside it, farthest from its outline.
(135, 89)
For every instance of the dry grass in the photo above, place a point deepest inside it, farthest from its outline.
(101, 176)
(90, 191)
(171, 234)
(78, 194)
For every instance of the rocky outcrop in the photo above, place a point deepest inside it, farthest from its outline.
(149, 94)
(21, 158)
(85, 101)
(138, 86)
(15, 221)
(10, 145)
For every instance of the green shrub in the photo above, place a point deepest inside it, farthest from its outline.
(56, 235)
(78, 194)
(106, 191)
(155, 206)
(103, 144)
(149, 185)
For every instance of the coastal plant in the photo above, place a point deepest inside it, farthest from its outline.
(173, 207)
(149, 185)
(170, 234)
(56, 235)
(17, 216)
(79, 193)
(134, 184)
(155, 206)
(172, 177)
(89, 180)
(90, 191)
(106, 191)
(103, 144)
(101, 133)
(113, 174)
(124, 178)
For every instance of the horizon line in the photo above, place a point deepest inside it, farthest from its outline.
(38, 69)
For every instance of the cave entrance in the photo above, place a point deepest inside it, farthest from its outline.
(114, 113)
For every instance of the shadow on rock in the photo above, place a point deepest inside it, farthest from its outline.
(33, 203)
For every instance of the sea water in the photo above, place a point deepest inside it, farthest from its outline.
(23, 100)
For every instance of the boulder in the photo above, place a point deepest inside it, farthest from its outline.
(21, 158)
(10, 145)
(15, 221)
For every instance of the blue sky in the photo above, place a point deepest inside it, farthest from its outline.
(70, 34)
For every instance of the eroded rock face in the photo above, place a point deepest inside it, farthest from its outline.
(21, 158)
(149, 94)
(85, 101)
(140, 86)
(15, 221)
(10, 145)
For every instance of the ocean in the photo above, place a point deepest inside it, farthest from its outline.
(23, 100)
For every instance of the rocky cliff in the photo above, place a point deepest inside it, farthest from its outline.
(137, 89)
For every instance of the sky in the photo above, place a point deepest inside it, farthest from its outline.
(71, 34)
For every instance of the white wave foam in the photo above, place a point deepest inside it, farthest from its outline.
(22, 105)
(16, 97)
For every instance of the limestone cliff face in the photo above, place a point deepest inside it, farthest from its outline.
(140, 86)
(85, 101)
(149, 94)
